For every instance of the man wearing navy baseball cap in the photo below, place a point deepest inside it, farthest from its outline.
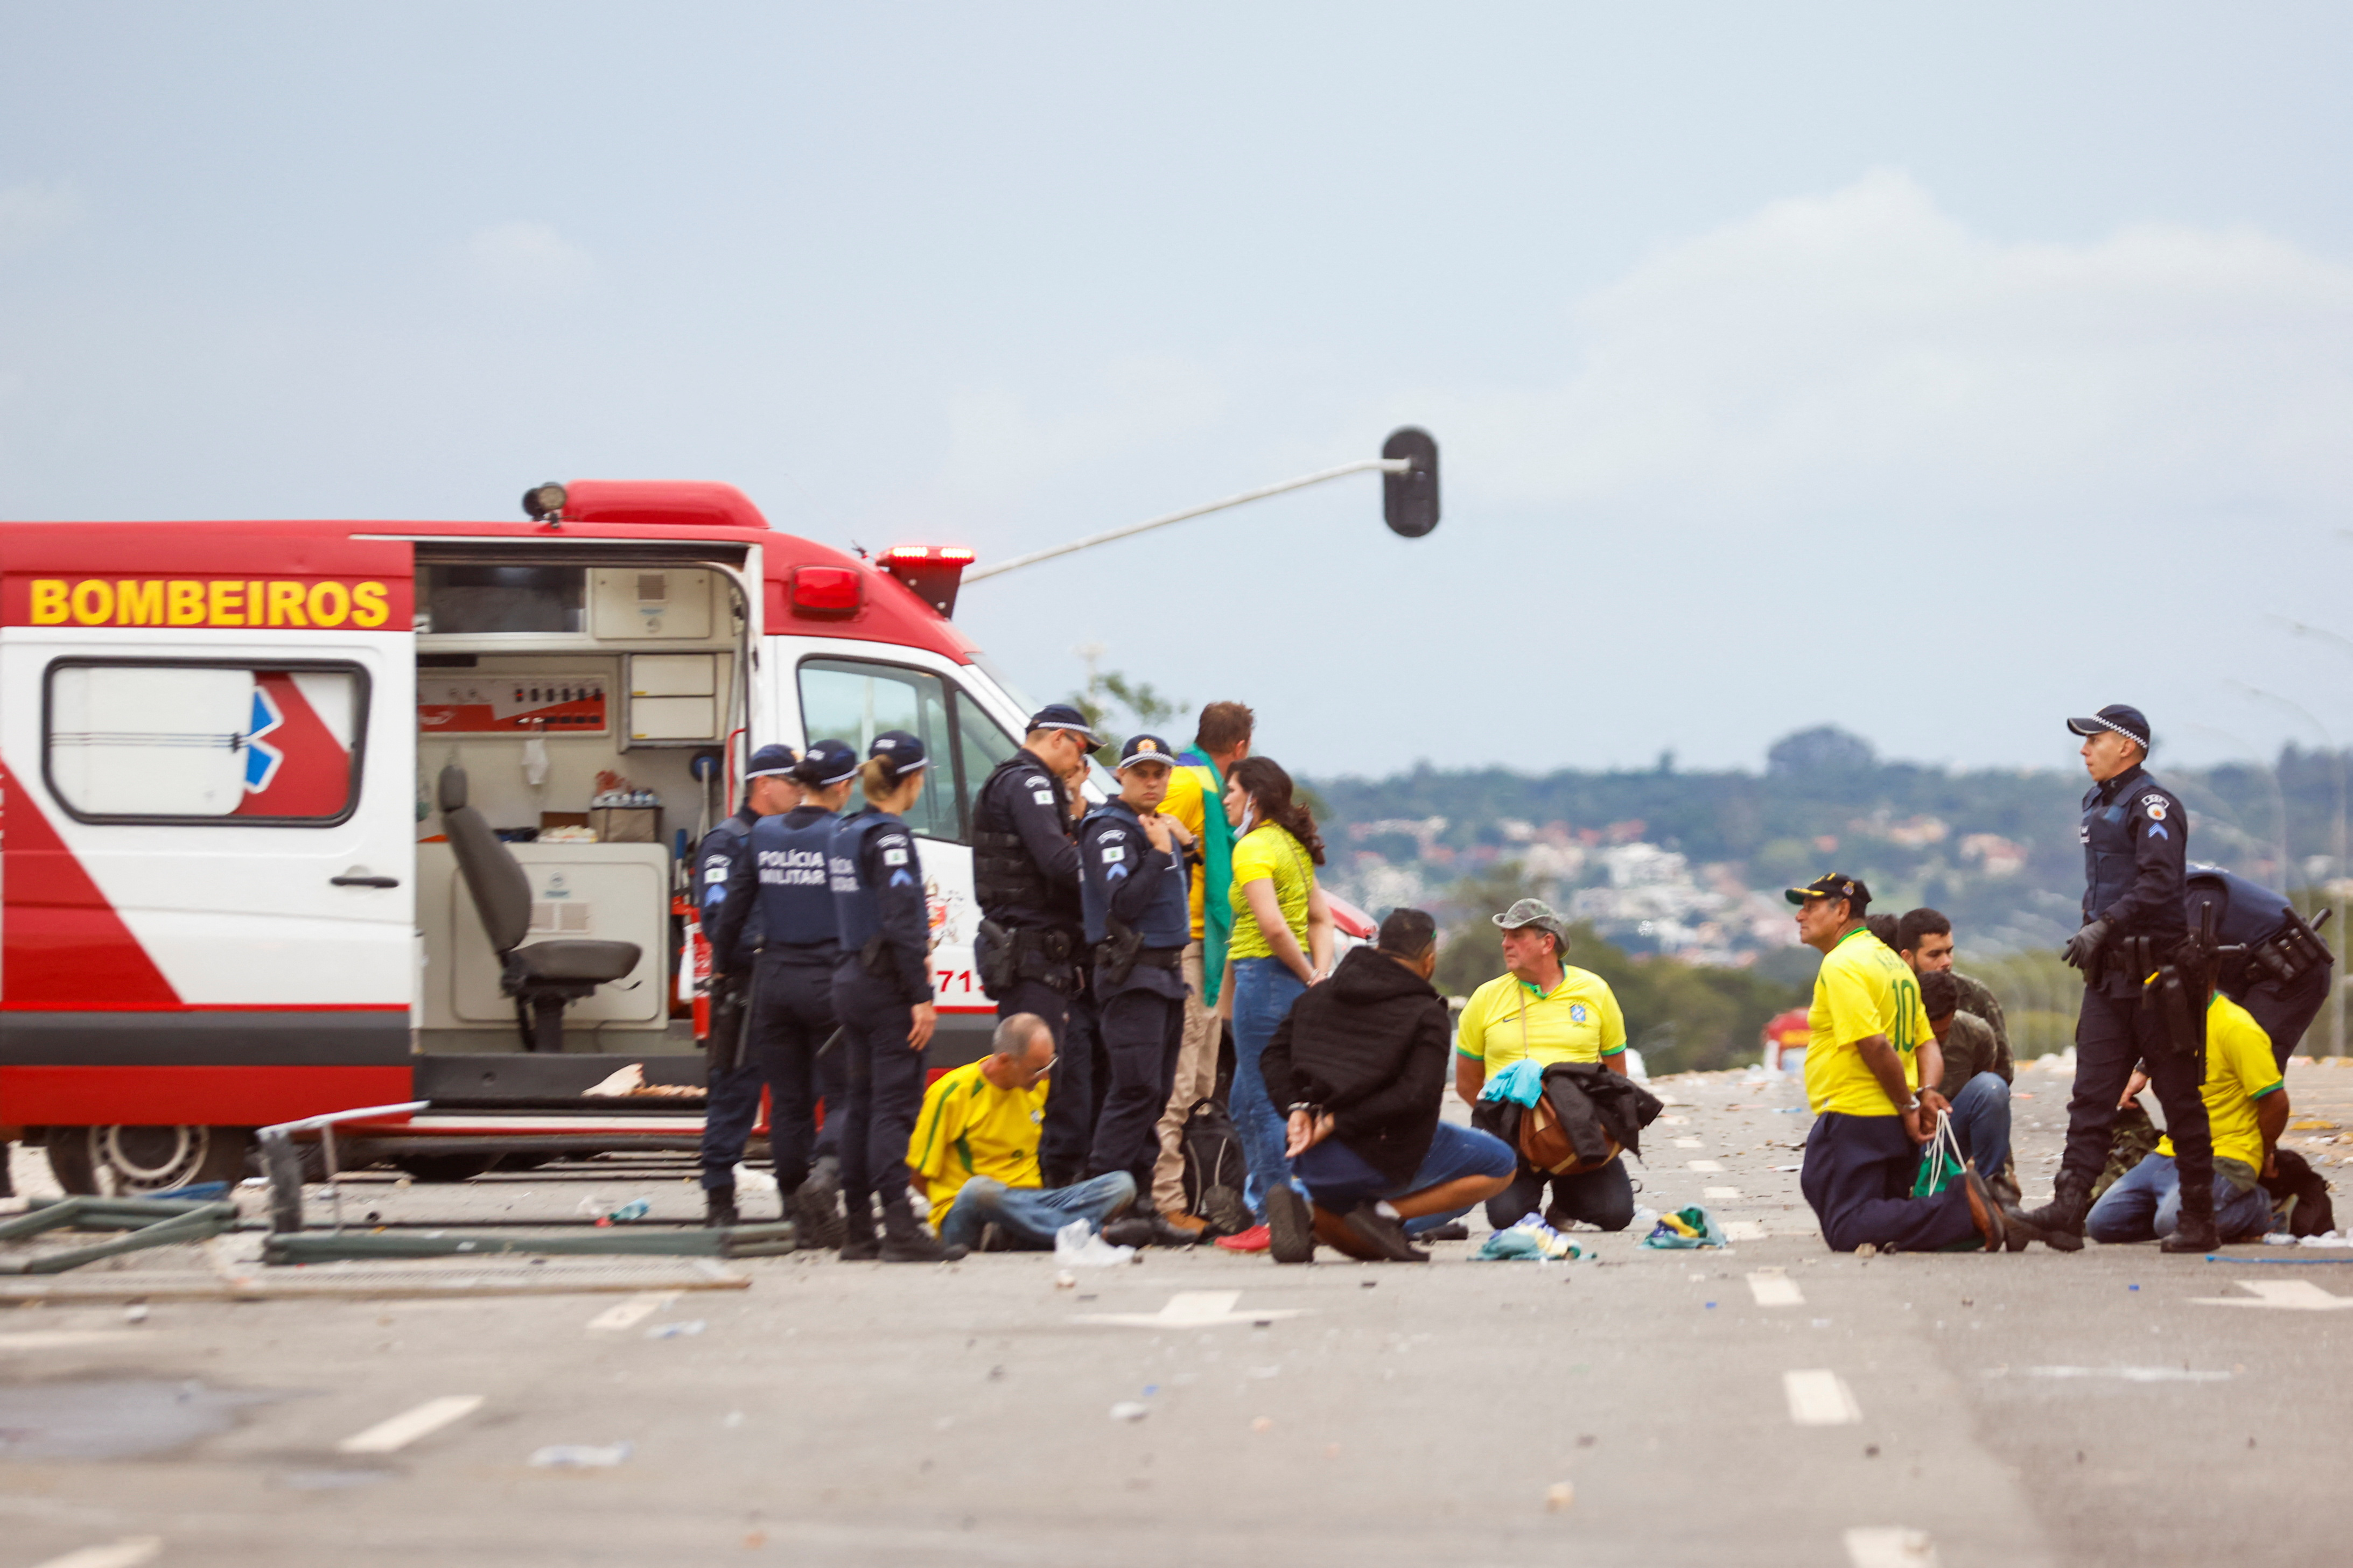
(1025, 876)
(733, 1088)
(2136, 838)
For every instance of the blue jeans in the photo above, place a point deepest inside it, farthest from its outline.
(1265, 989)
(1981, 1123)
(1338, 1178)
(2145, 1205)
(1029, 1216)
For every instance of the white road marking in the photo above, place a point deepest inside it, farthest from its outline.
(1704, 1167)
(2131, 1373)
(1889, 1546)
(633, 1311)
(128, 1552)
(404, 1428)
(2284, 1295)
(1719, 1191)
(1774, 1288)
(1745, 1230)
(1689, 1143)
(1820, 1398)
(1191, 1309)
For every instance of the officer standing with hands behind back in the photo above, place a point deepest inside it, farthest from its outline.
(732, 1082)
(2135, 839)
(1025, 874)
(1138, 907)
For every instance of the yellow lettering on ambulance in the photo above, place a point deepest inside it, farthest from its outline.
(286, 605)
(93, 602)
(224, 604)
(138, 603)
(368, 608)
(331, 603)
(49, 601)
(185, 603)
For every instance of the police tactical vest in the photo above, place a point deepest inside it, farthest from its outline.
(857, 911)
(2109, 842)
(1003, 874)
(795, 898)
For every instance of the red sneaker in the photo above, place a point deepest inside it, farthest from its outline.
(1257, 1239)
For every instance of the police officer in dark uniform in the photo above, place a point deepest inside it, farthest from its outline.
(1025, 873)
(2273, 964)
(2131, 950)
(882, 995)
(782, 884)
(731, 1084)
(1134, 892)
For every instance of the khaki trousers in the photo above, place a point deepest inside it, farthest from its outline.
(1196, 1075)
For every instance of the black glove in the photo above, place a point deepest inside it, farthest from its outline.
(2086, 945)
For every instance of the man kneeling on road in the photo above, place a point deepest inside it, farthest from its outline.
(1361, 1064)
(1976, 1094)
(2246, 1111)
(1868, 1048)
(975, 1149)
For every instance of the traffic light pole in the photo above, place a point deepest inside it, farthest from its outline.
(1364, 466)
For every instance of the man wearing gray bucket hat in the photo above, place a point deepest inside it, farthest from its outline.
(1544, 1010)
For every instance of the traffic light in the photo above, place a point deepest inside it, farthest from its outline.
(1409, 500)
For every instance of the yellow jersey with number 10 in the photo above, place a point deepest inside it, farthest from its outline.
(1862, 989)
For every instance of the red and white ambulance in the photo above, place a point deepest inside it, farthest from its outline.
(226, 899)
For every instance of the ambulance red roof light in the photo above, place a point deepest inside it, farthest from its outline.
(933, 572)
(825, 592)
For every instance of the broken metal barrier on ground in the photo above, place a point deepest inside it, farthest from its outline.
(150, 1221)
(291, 1242)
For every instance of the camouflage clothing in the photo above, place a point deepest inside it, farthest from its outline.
(1978, 998)
(1970, 1048)
(2131, 1140)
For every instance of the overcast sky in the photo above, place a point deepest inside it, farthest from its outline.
(1935, 374)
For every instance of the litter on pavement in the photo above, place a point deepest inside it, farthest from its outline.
(1531, 1238)
(1690, 1226)
(581, 1456)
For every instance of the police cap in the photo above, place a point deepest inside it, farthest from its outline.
(827, 763)
(772, 762)
(1145, 749)
(2125, 721)
(1062, 716)
(902, 751)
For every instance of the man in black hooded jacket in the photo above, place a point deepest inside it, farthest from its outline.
(1360, 1064)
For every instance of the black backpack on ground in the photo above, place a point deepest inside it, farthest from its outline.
(1214, 1171)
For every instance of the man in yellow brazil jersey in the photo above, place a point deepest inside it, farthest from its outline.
(1869, 1048)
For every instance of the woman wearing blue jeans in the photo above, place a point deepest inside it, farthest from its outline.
(1282, 944)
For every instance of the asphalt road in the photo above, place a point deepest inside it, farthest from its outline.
(1771, 1404)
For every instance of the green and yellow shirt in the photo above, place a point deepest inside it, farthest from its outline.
(1575, 1021)
(1862, 989)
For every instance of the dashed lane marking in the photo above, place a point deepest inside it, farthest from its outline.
(2282, 1295)
(635, 1311)
(1819, 1397)
(1689, 1143)
(128, 1552)
(1887, 1546)
(1192, 1310)
(1725, 1192)
(1745, 1230)
(404, 1428)
(1704, 1167)
(1774, 1288)
(65, 1338)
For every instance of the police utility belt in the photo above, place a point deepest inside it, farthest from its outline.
(1047, 954)
(2289, 953)
(1121, 951)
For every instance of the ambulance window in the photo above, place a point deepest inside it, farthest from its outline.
(982, 746)
(477, 601)
(246, 745)
(853, 701)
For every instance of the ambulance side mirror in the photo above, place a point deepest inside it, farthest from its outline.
(1409, 500)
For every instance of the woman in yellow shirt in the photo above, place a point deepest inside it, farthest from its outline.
(1282, 944)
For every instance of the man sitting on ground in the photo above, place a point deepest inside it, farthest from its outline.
(975, 1149)
(1868, 1048)
(1977, 1094)
(2246, 1110)
(1360, 1066)
(1924, 940)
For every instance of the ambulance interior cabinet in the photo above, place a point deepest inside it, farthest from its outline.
(614, 892)
(676, 699)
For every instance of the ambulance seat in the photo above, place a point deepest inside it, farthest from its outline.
(547, 976)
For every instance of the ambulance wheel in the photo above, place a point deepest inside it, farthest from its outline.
(123, 1162)
(445, 1167)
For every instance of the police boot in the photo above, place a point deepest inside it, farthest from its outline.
(816, 1206)
(906, 1239)
(2057, 1224)
(719, 1208)
(2194, 1232)
(858, 1243)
